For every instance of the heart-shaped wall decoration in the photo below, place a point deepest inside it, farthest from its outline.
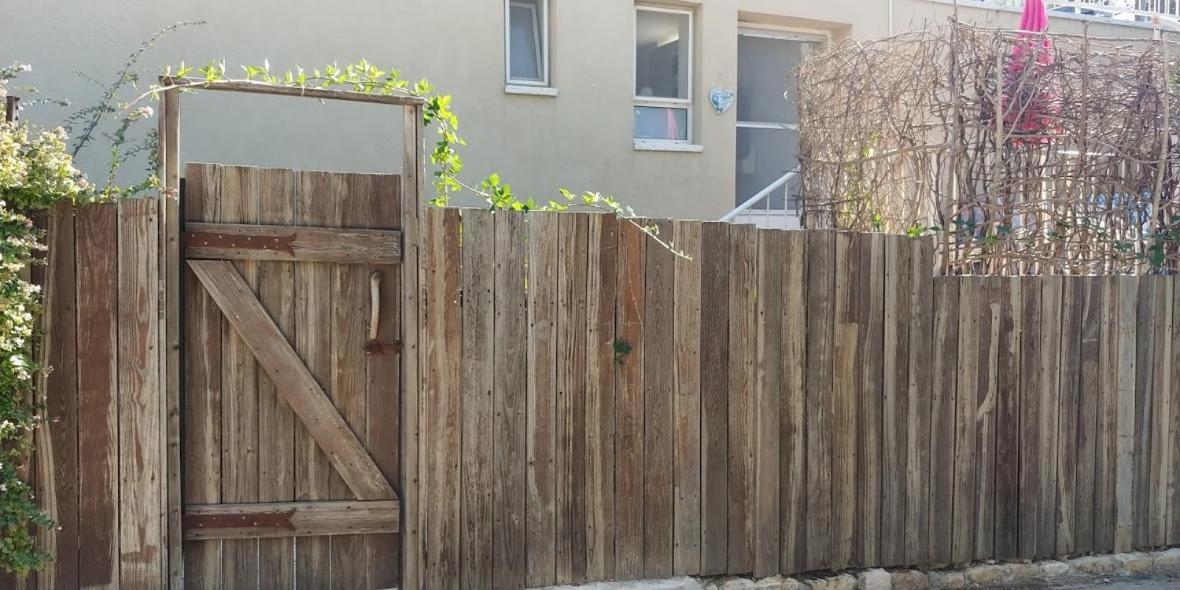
(721, 99)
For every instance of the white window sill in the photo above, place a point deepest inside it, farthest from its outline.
(655, 145)
(530, 90)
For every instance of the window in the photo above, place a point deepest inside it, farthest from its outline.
(526, 42)
(663, 74)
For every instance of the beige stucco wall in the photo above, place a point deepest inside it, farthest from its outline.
(580, 139)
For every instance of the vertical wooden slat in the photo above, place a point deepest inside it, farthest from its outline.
(1146, 349)
(98, 468)
(966, 405)
(542, 395)
(510, 383)
(413, 148)
(202, 392)
(986, 397)
(767, 401)
(571, 398)
(1173, 519)
(793, 451)
(277, 200)
(1072, 303)
(742, 321)
(895, 411)
(629, 452)
(942, 411)
(57, 444)
(870, 295)
(171, 269)
(1160, 459)
(1007, 458)
(476, 404)
(659, 366)
(141, 460)
(601, 263)
(441, 400)
(314, 302)
(846, 335)
(383, 389)
(687, 383)
(714, 320)
(1089, 383)
(1124, 472)
(1050, 385)
(818, 415)
(1030, 394)
(1106, 428)
(239, 386)
(921, 308)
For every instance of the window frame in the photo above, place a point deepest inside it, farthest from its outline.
(541, 22)
(685, 104)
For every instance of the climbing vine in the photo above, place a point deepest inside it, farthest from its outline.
(368, 78)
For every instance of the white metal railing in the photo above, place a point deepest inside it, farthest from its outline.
(763, 197)
(1124, 10)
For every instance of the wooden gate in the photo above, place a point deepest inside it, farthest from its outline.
(291, 303)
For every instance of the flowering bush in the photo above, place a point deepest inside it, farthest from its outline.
(35, 172)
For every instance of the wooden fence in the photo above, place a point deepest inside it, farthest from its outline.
(594, 407)
(100, 463)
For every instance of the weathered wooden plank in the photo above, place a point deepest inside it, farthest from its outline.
(1173, 520)
(1030, 394)
(870, 284)
(171, 269)
(687, 376)
(894, 409)
(1090, 377)
(743, 257)
(629, 391)
(542, 396)
(714, 321)
(1148, 317)
(141, 460)
(819, 409)
(1050, 394)
(571, 398)
(239, 400)
(917, 483)
(412, 275)
(202, 391)
(793, 451)
(986, 396)
(1106, 429)
(441, 399)
(1160, 459)
(478, 280)
(279, 242)
(314, 302)
(1007, 522)
(1070, 367)
(1128, 361)
(768, 382)
(57, 452)
(510, 370)
(277, 202)
(944, 392)
(383, 388)
(282, 520)
(98, 451)
(846, 335)
(251, 87)
(601, 262)
(292, 378)
(966, 406)
(659, 368)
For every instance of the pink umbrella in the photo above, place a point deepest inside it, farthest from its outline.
(1031, 100)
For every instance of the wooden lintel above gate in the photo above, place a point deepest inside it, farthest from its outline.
(289, 519)
(227, 241)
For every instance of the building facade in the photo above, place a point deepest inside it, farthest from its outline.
(681, 108)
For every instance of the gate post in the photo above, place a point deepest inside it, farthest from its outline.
(411, 212)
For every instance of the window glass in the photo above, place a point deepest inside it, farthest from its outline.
(661, 123)
(764, 156)
(662, 42)
(525, 40)
(766, 79)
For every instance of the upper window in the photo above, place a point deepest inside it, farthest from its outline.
(663, 74)
(527, 39)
